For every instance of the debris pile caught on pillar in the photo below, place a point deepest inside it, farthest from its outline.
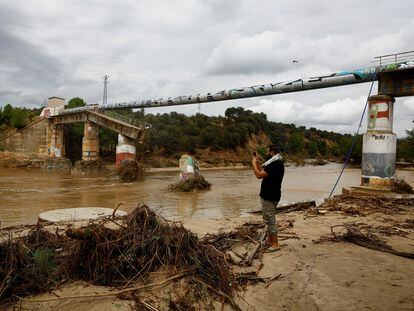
(131, 171)
(190, 177)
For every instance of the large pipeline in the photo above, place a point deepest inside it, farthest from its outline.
(336, 79)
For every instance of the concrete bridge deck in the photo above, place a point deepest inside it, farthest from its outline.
(129, 130)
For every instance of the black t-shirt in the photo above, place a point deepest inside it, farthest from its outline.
(270, 188)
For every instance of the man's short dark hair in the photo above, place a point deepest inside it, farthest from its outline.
(274, 148)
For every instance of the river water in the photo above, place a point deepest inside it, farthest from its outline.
(26, 193)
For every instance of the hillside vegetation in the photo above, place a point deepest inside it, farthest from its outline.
(217, 139)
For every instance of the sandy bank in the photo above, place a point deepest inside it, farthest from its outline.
(309, 275)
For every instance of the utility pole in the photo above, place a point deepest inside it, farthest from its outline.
(105, 92)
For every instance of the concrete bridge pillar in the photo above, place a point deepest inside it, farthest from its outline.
(125, 151)
(55, 140)
(379, 144)
(90, 142)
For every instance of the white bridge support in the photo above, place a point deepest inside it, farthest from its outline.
(379, 144)
(125, 151)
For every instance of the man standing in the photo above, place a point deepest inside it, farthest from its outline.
(271, 173)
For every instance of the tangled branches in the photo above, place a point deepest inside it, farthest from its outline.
(142, 243)
(192, 184)
(131, 171)
(363, 206)
(368, 239)
(27, 265)
(244, 233)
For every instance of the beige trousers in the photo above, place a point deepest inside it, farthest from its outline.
(269, 215)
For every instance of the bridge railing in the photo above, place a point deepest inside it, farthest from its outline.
(122, 118)
(392, 59)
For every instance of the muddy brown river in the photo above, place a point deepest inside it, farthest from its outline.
(26, 193)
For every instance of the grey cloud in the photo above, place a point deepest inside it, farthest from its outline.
(24, 67)
(260, 53)
(10, 93)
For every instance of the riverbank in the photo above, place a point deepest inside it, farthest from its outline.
(312, 270)
(18, 160)
(156, 164)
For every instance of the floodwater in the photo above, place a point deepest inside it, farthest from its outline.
(26, 193)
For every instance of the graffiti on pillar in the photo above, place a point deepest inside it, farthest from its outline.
(45, 113)
(379, 115)
(56, 147)
(379, 137)
(58, 154)
(378, 165)
(90, 154)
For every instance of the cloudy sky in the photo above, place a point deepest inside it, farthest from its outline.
(161, 48)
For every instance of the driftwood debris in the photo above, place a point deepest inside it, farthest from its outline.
(366, 205)
(131, 171)
(272, 280)
(142, 243)
(249, 258)
(368, 240)
(291, 207)
(233, 257)
(250, 278)
(401, 186)
(243, 236)
(113, 293)
(195, 183)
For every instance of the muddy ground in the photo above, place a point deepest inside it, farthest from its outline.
(310, 272)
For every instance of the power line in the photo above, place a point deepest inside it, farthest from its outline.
(355, 136)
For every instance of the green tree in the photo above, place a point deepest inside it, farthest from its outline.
(405, 147)
(108, 139)
(18, 118)
(322, 147)
(312, 149)
(75, 102)
(169, 138)
(296, 143)
(262, 151)
(209, 135)
(344, 144)
(75, 132)
(357, 152)
(7, 113)
(335, 150)
(236, 113)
